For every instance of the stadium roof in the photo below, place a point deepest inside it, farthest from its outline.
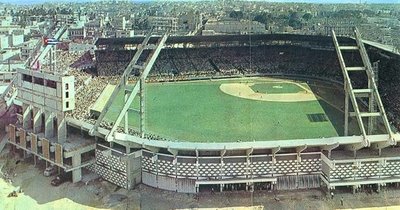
(316, 39)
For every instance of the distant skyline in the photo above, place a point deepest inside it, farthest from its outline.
(25, 2)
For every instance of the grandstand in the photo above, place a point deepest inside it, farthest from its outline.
(152, 130)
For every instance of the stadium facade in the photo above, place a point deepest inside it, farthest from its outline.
(46, 132)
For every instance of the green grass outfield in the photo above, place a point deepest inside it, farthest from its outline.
(199, 111)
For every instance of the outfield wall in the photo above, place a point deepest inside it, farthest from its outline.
(282, 171)
(182, 173)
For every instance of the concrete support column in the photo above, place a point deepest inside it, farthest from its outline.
(157, 169)
(34, 160)
(274, 151)
(77, 173)
(197, 168)
(134, 169)
(328, 191)
(49, 127)
(221, 168)
(26, 116)
(61, 128)
(37, 120)
(126, 117)
(129, 177)
(175, 163)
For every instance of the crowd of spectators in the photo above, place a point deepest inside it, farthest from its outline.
(89, 88)
(64, 59)
(179, 63)
(389, 89)
(112, 63)
(84, 62)
(254, 60)
(182, 64)
(88, 94)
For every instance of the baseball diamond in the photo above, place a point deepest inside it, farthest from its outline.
(204, 113)
(229, 110)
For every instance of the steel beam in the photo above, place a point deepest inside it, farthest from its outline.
(126, 116)
(142, 107)
(121, 84)
(366, 114)
(349, 88)
(346, 110)
(135, 90)
(377, 97)
(356, 68)
(46, 50)
(348, 48)
(363, 90)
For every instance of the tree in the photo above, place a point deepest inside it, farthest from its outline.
(262, 18)
(307, 16)
(236, 15)
(294, 21)
(295, 24)
(294, 15)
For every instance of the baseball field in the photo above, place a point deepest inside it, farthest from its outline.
(231, 110)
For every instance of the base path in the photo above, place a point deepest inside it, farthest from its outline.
(243, 90)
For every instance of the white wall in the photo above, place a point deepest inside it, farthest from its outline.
(15, 40)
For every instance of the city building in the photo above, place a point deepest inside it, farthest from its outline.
(234, 27)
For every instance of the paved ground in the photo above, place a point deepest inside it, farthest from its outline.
(39, 194)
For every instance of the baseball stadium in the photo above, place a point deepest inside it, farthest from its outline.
(228, 112)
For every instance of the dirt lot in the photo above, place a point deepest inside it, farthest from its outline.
(37, 193)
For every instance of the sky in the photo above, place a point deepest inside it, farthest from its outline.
(304, 1)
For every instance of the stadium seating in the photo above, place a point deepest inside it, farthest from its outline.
(202, 62)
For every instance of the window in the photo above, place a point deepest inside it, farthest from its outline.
(50, 83)
(66, 86)
(66, 94)
(39, 81)
(27, 78)
(67, 105)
